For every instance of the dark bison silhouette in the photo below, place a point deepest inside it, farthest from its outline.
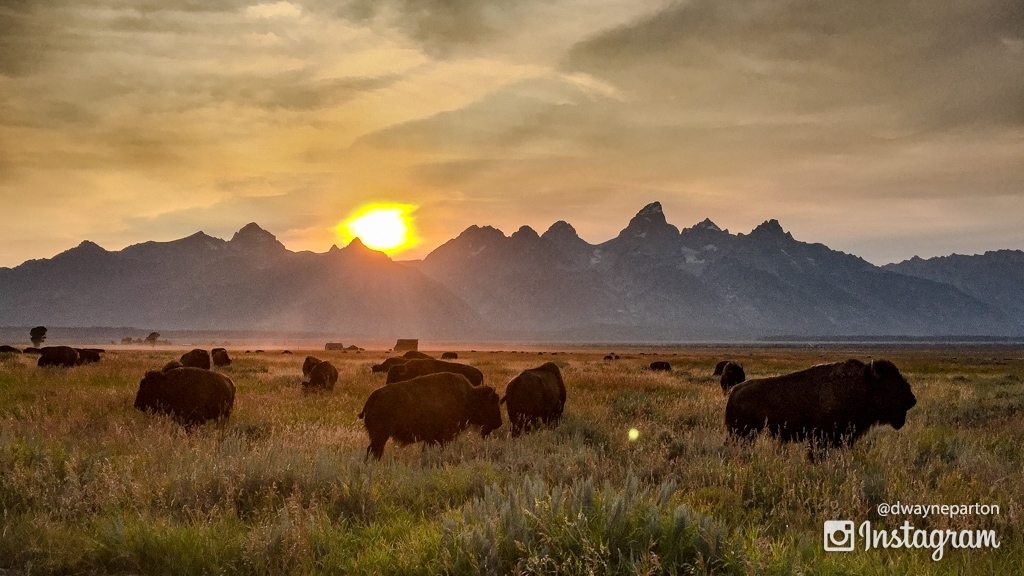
(323, 376)
(415, 368)
(197, 358)
(220, 357)
(307, 365)
(719, 367)
(832, 404)
(449, 356)
(537, 394)
(61, 356)
(732, 374)
(191, 395)
(5, 349)
(661, 365)
(432, 409)
(88, 355)
(415, 355)
(171, 366)
(388, 364)
(32, 350)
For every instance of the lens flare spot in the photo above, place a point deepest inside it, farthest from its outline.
(634, 434)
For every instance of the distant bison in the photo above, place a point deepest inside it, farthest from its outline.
(732, 374)
(323, 376)
(87, 355)
(62, 356)
(449, 356)
(171, 366)
(415, 355)
(334, 346)
(9, 350)
(719, 367)
(220, 357)
(431, 409)
(388, 364)
(308, 363)
(191, 395)
(661, 365)
(834, 404)
(197, 358)
(32, 350)
(536, 394)
(416, 368)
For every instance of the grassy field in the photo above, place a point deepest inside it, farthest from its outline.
(90, 485)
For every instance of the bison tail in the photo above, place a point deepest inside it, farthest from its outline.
(502, 401)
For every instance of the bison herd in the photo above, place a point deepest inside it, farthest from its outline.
(432, 401)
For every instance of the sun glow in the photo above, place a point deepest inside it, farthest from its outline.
(384, 227)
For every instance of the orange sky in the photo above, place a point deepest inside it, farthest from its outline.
(883, 129)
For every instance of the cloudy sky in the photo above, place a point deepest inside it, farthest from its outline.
(881, 128)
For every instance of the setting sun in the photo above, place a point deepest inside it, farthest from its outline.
(384, 227)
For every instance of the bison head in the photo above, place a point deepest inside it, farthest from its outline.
(890, 392)
(486, 412)
(149, 390)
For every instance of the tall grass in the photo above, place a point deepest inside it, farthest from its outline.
(89, 485)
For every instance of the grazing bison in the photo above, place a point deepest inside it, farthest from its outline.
(609, 357)
(307, 365)
(432, 409)
(449, 356)
(388, 364)
(220, 357)
(286, 351)
(834, 404)
(732, 374)
(536, 394)
(191, 395)
(415, 355)
(197, 358)
(5, 349)
(87, 355)
(322, 376)
(661, 365)
(63, 356)
(171, 366)
(415, 368)
(719, 367)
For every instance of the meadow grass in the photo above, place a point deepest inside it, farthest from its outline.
(90, 485)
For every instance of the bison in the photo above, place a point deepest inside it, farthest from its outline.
(220, 357)
(830, 404)
(62, 356)
(323, 376)
(171, 366)
(197, 358)
(32, 350)
(191, 395)
(431, 409)
(87, 355)
(388, 364)
(415, 355)
(449, 356)
(661, 366)
(536, 394)
(308, 364)
(5, 349)
(732, 374)
(719, 367)
(415, 368)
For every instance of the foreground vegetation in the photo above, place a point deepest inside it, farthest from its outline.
(89, 485)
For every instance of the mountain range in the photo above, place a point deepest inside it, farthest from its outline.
(652, 282)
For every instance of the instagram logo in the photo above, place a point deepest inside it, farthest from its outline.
(838, 535)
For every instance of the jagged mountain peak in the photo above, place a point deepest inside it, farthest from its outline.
(559, 230)
(253, 236)
(707, 224)
(649, 221)
(525, 233)
(770, 229)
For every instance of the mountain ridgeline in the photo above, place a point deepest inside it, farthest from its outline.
(651, 282)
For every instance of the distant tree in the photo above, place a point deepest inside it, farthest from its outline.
(37, 335)
(152, 338)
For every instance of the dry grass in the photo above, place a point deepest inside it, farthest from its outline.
(89, 485)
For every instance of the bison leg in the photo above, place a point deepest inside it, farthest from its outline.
(376, 448)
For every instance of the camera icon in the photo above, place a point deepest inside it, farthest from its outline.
(839, 536)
